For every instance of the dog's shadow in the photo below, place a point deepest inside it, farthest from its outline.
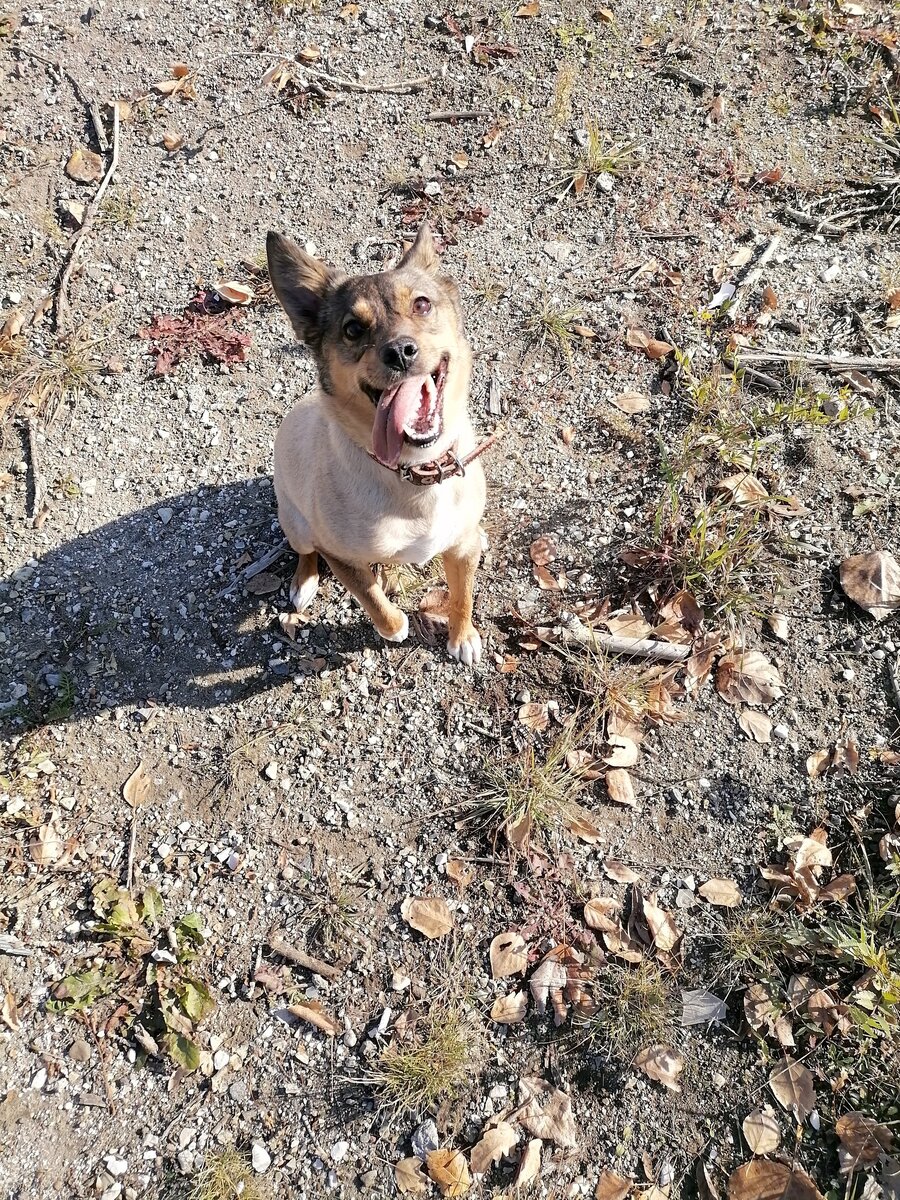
(132, 613)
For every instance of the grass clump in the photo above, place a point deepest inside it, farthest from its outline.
(602, 159)
(226, 1175)
(46, 381)
(553, 326)
(633, 1007)
(334, 903)
(435, 1065)
(121, 209)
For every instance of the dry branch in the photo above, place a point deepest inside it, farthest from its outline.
(576, 633)
(402, 87)
(255, 568)
(279, 946)
(826, 362)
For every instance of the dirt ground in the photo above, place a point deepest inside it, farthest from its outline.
(278, 771)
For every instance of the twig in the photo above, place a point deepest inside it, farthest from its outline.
(578, 634)
(677, 235)
(129, 876)
(255, 568)
(679, 73)
(402, 87)
(893, 670)
(277, 944)
(40, 484)
(463, 114)
(62, 302)
(827, 362)
(751, 276)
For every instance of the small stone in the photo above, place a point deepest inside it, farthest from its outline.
(165, 515)
(239, 1092)
(831, 272)
(185, 1162)
(89, 487)
(40, 1081)
(369, 1180)
(781, 732)
(260, 1159)
(889, 646)
(849, 674)
(80, 1051)
(271, 771)
(115, 1166)
(719, 1080)
(560, 252)
(339, 1151)
(221, 1059)
(425, 1139)
(878, 655)
(399, 982)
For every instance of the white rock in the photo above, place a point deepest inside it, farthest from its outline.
(260, 1159)
(165, 515)
(339, 1151)
(271, 771)
(221, 1059)
(831, 272)
(40, 1080)
(781, 732)
(115, 1166)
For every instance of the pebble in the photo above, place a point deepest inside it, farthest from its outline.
(849, 674)
(424, 1139)
(80, 1051)
(40, 1080)
(782, 732)
(239, 1092)
(271, 770)
(878, 655)
(260, 1159)
(115, 1166)
(221, 1059)
(339, 1151)
(165, 515)
(831, 272)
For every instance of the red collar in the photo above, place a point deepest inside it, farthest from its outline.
(439, 469)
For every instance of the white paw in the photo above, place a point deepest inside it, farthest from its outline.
(401, 634)
(467, 650)
(303, 596)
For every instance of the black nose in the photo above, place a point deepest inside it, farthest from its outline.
(400, 354)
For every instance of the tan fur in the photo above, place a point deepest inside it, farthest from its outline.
(333, 498)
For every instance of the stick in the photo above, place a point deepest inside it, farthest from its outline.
(277, 943)
(62, 302)
(463, 114)
(752, 276)
(40, 484)
(130, 872)
(403, 87)
(828, 362)
(255, 568)
(578, 634)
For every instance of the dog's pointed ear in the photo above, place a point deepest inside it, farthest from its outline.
(422, 253)
(301, 284)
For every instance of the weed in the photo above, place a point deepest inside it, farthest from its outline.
(633, 1007)
(25, 762)
(333, 907)
(563, 88)
(749, 943)
(577, 37)
(621, 690)
(553, 326)
(434, 1065)
(47, 381)
(404, 579)
(226, 1175)
(122, 209)
(601, 158)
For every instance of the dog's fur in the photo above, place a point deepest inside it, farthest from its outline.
(334, 498)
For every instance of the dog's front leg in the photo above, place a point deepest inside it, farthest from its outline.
(390, 622)
(460, 564)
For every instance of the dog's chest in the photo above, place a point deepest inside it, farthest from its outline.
(418, 536)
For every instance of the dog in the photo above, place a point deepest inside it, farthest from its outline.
(378, 463)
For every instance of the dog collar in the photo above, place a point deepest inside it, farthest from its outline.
(439, 469)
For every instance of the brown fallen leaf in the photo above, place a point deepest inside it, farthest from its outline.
(621, 945)
(264, 583)
(496, 1144)
(618, 872)
(450, 1171)
(623, 752)
(863, 1142)
(638, 339)
(603, 913)
(546, 581)
(747, 677)
(818, 763)
(619, 787)
(533, 9)
(723, 893)
(661, 924)
(510, 1010)
(778, 623)
(47, 846)
(542, 551)
(762, 1131)
(9, 1012)
(756, 725)
(546, 1112)
(530, 1165)
(136, 788)
(872, 581)
(84, 166)
(428, 915)
(577, 822)
(809, 851)
(764, 1179)
(549, 978)
(743, 488)
(632, 403)
(585, 765)
(314, 1014)
(172, 141)
(534, 716)
(568, 434)
(235, 293)
(838, 889)
(409, 1178)
(349, 12)
(662, 1064)
(793, 1088)
(509, 955)
(461, 874)
(611, 1186)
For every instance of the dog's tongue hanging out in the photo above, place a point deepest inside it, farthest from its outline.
(407, 408)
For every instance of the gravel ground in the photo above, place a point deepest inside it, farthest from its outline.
(276, 765)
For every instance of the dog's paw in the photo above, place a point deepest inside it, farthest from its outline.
(465, 647)
(303, 594)
(401, 634)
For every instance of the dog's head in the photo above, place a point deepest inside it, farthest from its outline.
(393, 360)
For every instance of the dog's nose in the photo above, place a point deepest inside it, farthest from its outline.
(400, 354)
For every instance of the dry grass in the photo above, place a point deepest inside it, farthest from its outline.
(121, 209)
(226, 1175)
(334, 904)
(635, 1006)
(434, 1065)
(553, 326)
(47, 381)
(563, 89)
(601, 159)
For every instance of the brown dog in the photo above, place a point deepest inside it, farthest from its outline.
(372, 466)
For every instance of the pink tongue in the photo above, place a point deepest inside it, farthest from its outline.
(397, 408)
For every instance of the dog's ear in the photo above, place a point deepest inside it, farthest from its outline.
(422, 253)
(301, 283)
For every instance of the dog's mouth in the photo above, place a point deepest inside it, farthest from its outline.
(409, 412)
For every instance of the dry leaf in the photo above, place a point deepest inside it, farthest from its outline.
(409, 1178)
(619, 787)
(623, 751)
(638, 339)
(747, 677)
(619, 943)
(809, 851)
(567, 434)
(47, 846)
(263, 583)
(838, 889)
(534, 716)
(631, 403)
(530, 1166)
(743, 488)
(461, 874)
(547, 582)
(546, 1112)
(427, 914)
(662, 1064)
(235, 293)
(496, 1144)
(529, 10)
(792, 1086)
(577, 822)
(769, 299)
(700, 1007)
(549, 979)
(863, 1142)
(762, 1132)
(818, 763)
(510, 1010)
(603, 913)
(349, 12)
(778, 623)
(583, 764)
(509, 955)
(316, 1015)
(84, 166)
(756, 725)
(763, 1179)
(492, 137)
(611, 1186)
(661, 925)
(873, 582)
(172, 141)
(450, 1171)
(9, 1012)
(630, 625)
(136, 788)
(618, 872)
(542, 551)
(723, 893)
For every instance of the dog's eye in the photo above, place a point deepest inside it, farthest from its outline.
(353, 330)
(422, 306)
